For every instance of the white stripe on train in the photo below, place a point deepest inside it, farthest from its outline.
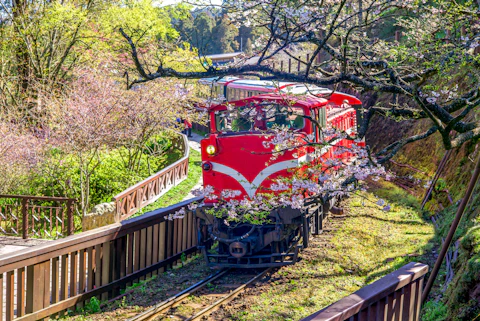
(251, 187)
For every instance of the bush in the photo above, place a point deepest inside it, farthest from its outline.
(59, 174)
(434, 311)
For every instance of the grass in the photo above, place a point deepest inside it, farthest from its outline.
(370, 244)
(179, 192)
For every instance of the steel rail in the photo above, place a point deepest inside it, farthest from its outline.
(227, 297)
(172, 301)
(159, 307)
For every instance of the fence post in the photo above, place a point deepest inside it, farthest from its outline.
(70, 228)
(289, 65)
(281, 65)
(38, 286)
(24, 218)
(298, 65)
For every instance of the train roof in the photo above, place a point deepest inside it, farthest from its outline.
(283, 87)
(308, 101)
(221, 80)
(267, 84)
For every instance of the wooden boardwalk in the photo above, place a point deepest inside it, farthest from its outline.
(10, 244)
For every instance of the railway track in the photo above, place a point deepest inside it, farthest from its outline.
(202, 298)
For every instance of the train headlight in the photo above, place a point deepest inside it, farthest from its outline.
(278, 148)
(211, 150)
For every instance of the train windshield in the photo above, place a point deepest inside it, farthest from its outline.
(259, 118)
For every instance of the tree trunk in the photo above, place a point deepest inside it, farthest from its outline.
(19, 7)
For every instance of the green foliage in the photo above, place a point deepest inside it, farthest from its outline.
(140, 17)
(441, 184)
(183, 258)
(59, 175)
(93, 306)
(463, 302)
(211, 32)
(43, 43)
(434, 311)
(393, 193)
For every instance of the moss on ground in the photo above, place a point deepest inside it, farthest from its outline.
(461, 300)
(463, 294)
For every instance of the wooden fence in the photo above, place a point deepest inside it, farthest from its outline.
(36, 216)
(50, 278)
(201, 128)
(396, 296)
(150, 189)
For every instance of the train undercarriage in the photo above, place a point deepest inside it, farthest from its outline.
(273, 244)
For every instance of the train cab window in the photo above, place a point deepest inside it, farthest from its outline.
(234, 121)
(277, 115)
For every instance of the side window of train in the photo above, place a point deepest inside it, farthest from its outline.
(237, 121)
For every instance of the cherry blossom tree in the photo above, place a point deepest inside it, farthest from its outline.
(326, 177)
(20, 152)
(94, 114)
(430, 67)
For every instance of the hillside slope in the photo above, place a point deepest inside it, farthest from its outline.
(460, 299)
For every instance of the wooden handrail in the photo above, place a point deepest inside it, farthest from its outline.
(50, 278)
(406, 283)
(93, 237)
(32, 219)
(131, 200)
(43, 198)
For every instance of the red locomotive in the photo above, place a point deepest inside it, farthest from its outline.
(234, 158)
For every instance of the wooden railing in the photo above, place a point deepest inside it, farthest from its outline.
(36, 216)
(149, 190)
(396, 296)
(50, 278)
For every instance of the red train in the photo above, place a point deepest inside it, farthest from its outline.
(234, 158)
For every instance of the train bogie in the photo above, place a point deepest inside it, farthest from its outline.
(272, 244)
